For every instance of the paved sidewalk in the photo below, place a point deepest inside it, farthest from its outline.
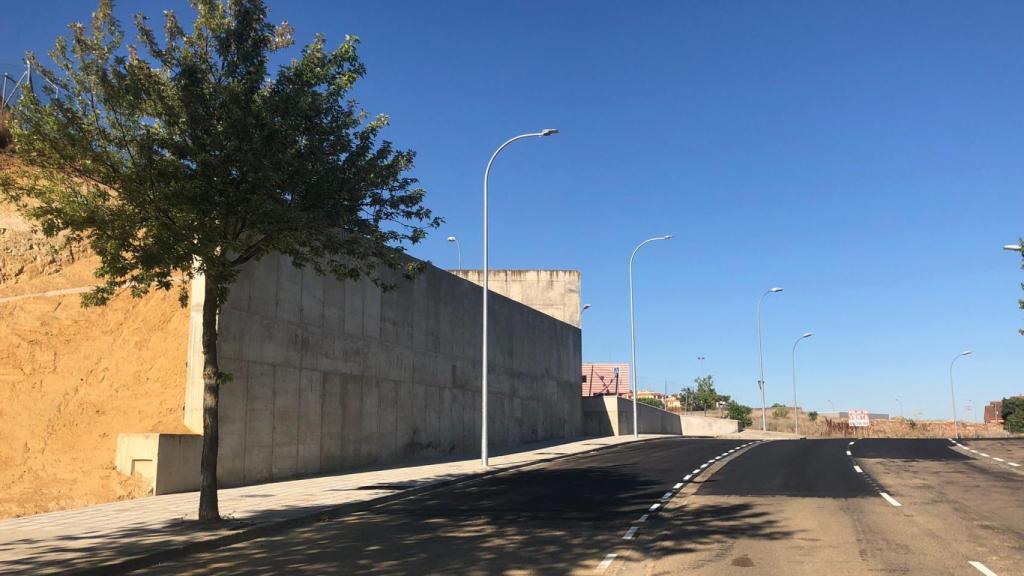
(99, 538)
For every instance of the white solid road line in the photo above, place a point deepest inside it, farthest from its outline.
(981, 568)
(857, 468)
(890, 499)
(630, 533)
(606, 563)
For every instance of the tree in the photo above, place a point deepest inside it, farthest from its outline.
(812, 415)
(739, 412)
(706, 397)
(196, 159)
(779, 411)
(1013, 414)
(651, 402)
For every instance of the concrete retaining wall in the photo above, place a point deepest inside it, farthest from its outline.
(553, 292)
(330, 376)
(703, 426)
(613, 416)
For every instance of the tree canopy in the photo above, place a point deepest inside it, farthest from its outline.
(187, 155)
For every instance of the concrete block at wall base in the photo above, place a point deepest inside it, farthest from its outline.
(169, 461)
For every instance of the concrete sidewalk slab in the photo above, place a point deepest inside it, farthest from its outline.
(135, 533)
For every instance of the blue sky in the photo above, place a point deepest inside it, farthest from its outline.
(865, 156)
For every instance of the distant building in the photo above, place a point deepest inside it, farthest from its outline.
(994, 412)
(606, 379)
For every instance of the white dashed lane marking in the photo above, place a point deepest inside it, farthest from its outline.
(857, 468)
(677, 486)
(643, 518)
(606, 563)
(630, 534)
(981, 568)
(848, 453)
(687, 477)
(890, 499)
(654, 507)
(972, 450)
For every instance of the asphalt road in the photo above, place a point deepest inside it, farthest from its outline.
(560, 517)
(809, 508)
(788, 507)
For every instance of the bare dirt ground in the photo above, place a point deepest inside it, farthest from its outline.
(71, 378)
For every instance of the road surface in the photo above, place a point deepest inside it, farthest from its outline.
(683, 506)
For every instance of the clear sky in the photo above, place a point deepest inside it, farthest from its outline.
(865, 156)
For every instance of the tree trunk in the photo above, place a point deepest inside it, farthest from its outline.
(209, 511)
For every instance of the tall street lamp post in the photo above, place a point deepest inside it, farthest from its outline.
(900, 402)
(483, 370)
(760, 355)
(952, 394)
(632, 328)
(457, 247)
(796, 417)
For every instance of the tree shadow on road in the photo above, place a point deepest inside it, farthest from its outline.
(546, 521)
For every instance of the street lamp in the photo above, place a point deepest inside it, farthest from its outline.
(760, 355)
(701, 359)
(458, 247)
(1013, 247)
(796, 418)
(483, 370)
(952, 394)
(632, 327)
(900, 402)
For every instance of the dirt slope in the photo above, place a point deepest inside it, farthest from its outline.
(72, 378)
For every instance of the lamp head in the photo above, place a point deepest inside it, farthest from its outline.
(966, 353)
(1013, 247)
(667, 237)
(776, 289)
(549, 132)
(807, 334)
(452, 238)
(586, 306)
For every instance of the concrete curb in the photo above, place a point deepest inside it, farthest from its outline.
(261, 529)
